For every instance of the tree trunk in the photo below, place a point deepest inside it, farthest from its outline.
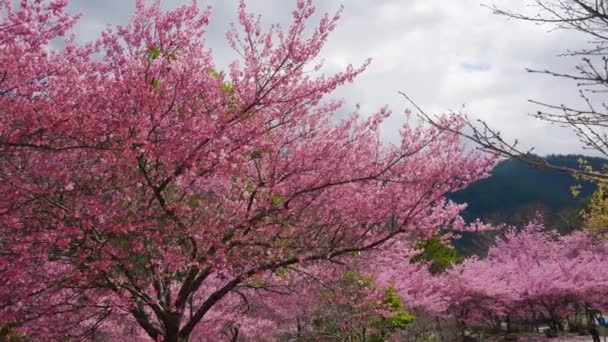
(172, 333)
(176, 338)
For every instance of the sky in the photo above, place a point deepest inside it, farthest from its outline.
(446, 55)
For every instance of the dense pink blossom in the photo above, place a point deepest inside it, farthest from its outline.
(530, 274)
(148, 194)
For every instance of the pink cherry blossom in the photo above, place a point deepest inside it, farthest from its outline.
(147, 195)
(529, 274)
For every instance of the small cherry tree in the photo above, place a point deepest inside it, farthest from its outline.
(146, 193)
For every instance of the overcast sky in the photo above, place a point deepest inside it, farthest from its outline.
(443, 54)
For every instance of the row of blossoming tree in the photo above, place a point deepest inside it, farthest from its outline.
(530, 277)
(149, 195)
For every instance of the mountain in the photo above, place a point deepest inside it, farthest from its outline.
(516, 192)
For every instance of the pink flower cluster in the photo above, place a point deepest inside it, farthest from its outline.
(529, 275)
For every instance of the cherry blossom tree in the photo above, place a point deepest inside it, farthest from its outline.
(149, 194)
(530, 275)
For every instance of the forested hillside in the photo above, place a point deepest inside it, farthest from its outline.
(515, 193)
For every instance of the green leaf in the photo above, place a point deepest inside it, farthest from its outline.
(213, 73)
(439, 256)
(154, 53)
(402, 320)
(227, 87)
(193, 201)
(392, 299)
(277, 200)
(155, 83)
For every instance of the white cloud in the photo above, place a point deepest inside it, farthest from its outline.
(444, 54)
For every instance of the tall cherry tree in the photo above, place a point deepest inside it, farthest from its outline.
(147, 193)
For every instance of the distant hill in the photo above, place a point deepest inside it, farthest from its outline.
(516, 192)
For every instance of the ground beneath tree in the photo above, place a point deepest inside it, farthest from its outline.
(570, 338)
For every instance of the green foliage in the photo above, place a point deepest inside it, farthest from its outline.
(227, 87)
(439, 256)
(8, 334)
(213, 73)
(595, 214)
(256, 283)
(153, 53)
(277, 200)
(360, 318)
(393, 300)
(155, 83)
(357, 280)
(193, 201)
(399, 318)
